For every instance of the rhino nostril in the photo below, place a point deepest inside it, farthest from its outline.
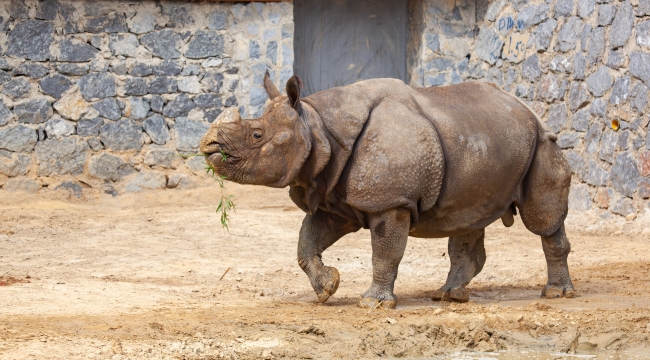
(209, 148)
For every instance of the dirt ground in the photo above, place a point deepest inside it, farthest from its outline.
(142, 276)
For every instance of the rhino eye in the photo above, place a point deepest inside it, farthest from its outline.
(257, 136)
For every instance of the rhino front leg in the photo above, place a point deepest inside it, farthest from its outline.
(318, 232)
(556, 249)
(467, 256)
(389, 232)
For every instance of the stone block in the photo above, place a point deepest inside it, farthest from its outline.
(533, 14)
(109, 167)
(568, 140)
(4, 77)
(560, 64)
(5, 114)
(640, 66)
(598, 107)
(603, 197)
(578, 96)
(108, 108)
(31, 39)
(141, 69)
(596, 46)
(71, 106)
(600, 81)
(96, 86)
(18, 138)
(14, 164)
(167, 67)
(95, 144)
(592, 139)
(112, 23)
(74, 50)
(206, 101)
(163, 43)
(580, 120)
(608, 146)
(596, 175)
(55, 85)
(123, 44)
(543, 34)
(579, 66)
(569, 34)
(579, 198)
(557, 117)
(204, 44)
(157, 103)
(136, 86)
(71, 187)
(624, 206)
(563, 8)
(586, 8)
(16, 87)
(488, 45)
(156, 128)
(197, 165)
(620, 91)
(190, 85)
(179, 181)
(57, 128)
(622, 25)
(146, 180)
(143, 22)
(34, 71)
(162, 157)
(179, 107)
(644, 188)
(189, 134)
(162, 85)
(217, 20)
(616, 59)
(73, 69)
(135, 108)
(33, 111)
(21, 185)
(61, 156)
(606, 13)
(191, 69)
(89, 127)
(123, 135)
(625, 174)
(549, 88)
(644, 163)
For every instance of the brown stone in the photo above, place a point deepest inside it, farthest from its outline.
(602, 197)
(71, 106)
(643, 163)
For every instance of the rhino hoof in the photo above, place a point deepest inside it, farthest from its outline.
(556, 292)
(372, 303)
(331, 285)
(459, 294)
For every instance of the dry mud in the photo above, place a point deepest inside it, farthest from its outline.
(139, 276)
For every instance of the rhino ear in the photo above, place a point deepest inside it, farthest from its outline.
(293, 91)
(270, 87)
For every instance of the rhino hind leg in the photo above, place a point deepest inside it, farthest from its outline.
(467, 257)
(318, 232)
(556, 250)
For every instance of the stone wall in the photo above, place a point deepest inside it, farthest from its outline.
(582, 65)
(103, 95)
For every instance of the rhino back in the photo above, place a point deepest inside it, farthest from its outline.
(488, 138)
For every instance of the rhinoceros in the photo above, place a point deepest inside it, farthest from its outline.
(402, 161)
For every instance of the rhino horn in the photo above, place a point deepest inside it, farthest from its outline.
(228, 116)
(270, 87)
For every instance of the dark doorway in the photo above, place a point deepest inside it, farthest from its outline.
(339, 42)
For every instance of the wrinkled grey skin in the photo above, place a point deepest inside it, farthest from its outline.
(401, 161)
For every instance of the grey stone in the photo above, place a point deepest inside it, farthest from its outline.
(99, 65)
(73, 69)
(123, 44)
(18, 9)
(557, 117)
(533, 14)
(643, 34)
(146, 180)
(197, 165)
(598, 107)
(608, 146)
(563, 8)
(179, 107)
(488, 45)
(576, 163)
(89, 127)
(616, 59)
(640, 66)
(96, 41)
(433, 41)
(205, 101)
(111, 23)
(596, 175)
(621, 29)
(123, 135)
(18, 138)
(161, 156)
(254, 49)
(108, 108)
(623, 139)
(217, 20)
(638, 142)
(14, 164)
(58, 128)
(568, 34)
(34, 71)
(287, 55)
(494, 9)
(71, 187)
(167, 67)
(191, 69)
(600, 81)
(213, 81)
(72, 23)
(143, 22)
(454, 29)
(530, 68)
(579, 198)
(61, 156)
(596, 46)
(135, 86)
(287, 31)
(164, 43)
(156, 128)
(5, 114)
(624, 206)
(179, 14)
(272, 52)
(205, 43)
(625, 175)
(109, 167)
(620, 91)
(212, 114)
(580, 121)
(135, 108)
(643, 8)
(16, 87)
(95, 144)
(162, 85)
(33, 111)
(586, 8)
(21, 185)
(549, 88)
(4, 77)
(257, 96)
(568, 140)
(97, 86)
(639, 97)
(543, 34)
(560, 64)
(578, 96)
(141, 69)
(584, 37)
(189, 133)
(179, 181)
(606, 13)
(157, 103)
(579, 66)
(74, 50)
(231, 101)
(31, 39)
(592, 139)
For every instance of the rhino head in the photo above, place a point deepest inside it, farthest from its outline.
(270, 150)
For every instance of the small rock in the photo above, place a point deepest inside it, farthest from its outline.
(640, 66)
(71, 106)
(74, 50)
(135, 86)
(167, 67)
(579, 66)
(488, 45)
(606, 13)
(141, 69)
(62, 156)
(146, 180)
(162, 85)
(190, 85)
(156, 128)
(136, 108)
(620, 91)
(621, 29)
(578, 96)
(57, 128)
(624, 174)
(596, 175)
(549, 88)
(189, 134)
(108, 108)
(179, 107)
(123, 44)
(530, 68)
(205, 43)
(14, 164)
(391, 320)
(71, 187)
(33, 111)
(643, 34)
(109, 167)
(557, 117)
(97, 86)
(34, 71)
(600, 81)
(179, 181)
(568, 34)
(624, 206)
(161, 156)
(586, 8)
(17, 87)
(217, 20)
(111, 23)
(89, 127)
(157, 103)
(21, 185)
(596, 46)
(18, 138)
(568, 140)
(644, 163)
(5, 114)
(143, 22)
(213, 81)
(31, 39)
(123, 135)
(579, 198)
(563, 8)
(608, 146)
(55, 85)
(164, 43)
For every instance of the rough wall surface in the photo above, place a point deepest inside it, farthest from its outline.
(105, 94)
(582, 65)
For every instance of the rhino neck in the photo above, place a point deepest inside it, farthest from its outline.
(317, 160)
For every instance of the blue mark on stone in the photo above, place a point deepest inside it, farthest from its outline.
(507, 23)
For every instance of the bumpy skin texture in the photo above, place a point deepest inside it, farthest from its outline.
(402, 161)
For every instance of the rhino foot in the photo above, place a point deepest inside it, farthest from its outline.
(329, 282)
(556, 292)
(377, 297)
(459, 294)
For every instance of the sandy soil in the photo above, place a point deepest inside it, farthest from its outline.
(139, 276)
